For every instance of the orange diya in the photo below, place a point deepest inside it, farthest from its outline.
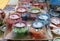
(37, 30)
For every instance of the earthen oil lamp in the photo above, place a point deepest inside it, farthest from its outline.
(34, 10)
(37, 30)
(2, 16)
(22, 11)
(36, 4)
(42, 1)
(44, 17)
(19, 28)
(55, 21)
(11, 18)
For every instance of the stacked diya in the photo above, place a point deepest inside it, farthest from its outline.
(19, 28)
(11, 18)
(55, 22)
(2, 16)
(37, 30)
(23, 12)
(33, 13)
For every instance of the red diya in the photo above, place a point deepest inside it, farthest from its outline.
(11, 19)
(35, 4)
(55, 21)
(21, 10)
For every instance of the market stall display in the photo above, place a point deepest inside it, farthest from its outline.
(30, 20)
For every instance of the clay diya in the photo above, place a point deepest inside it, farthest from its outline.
(19, 28)
(37, 30)
(21, 10)
(54, 13)
(56, 39)
(11, 18)
(41, 0)
(55, 21)
(2, 16)
(34, 10)
(36, 4)
(44, 17)
(27, 5)
(56, 31)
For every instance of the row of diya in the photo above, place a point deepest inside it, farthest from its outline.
(38, 25)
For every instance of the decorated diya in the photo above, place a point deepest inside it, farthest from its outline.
(44, 17)
(56, 39)
(11, 18)
(55, 21)
(21, 9)
(19, 28)
(35, 10)
(54, 13)
(41, 0)
(56, 31)
(27, 5)
(37, 30)
(36, 4)
(2, 16)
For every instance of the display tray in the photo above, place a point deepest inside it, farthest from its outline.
(10, 36)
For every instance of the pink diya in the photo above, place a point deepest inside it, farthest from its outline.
(21, 10)
(55, 21)
(11, 19)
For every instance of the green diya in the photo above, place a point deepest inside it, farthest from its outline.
(34, 10)
(19, 28)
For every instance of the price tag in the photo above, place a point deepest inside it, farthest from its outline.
(3, 3)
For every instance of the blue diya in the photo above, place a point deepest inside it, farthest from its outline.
(44, 17)
(53, 13)
(27, 5)
(37, 24)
